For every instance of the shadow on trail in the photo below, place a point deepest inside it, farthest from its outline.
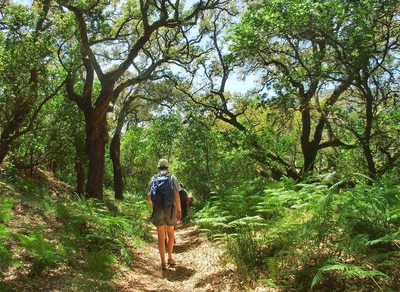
(177, 273)
(222, 276)
(182, 247)
(143, 288)
(145, 266)
(186, 240)
(188, 234)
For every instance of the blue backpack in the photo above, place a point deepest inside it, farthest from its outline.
(162, 190)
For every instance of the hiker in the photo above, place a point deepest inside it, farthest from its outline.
(184, 197)
(166, 208)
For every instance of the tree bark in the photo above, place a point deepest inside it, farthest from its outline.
(369, 117)
(115, 157)
(97, 138)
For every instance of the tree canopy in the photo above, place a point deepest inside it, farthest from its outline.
(326, 93)
(297, 172)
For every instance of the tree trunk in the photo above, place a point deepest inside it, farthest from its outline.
(96, 140)
(11, 128)
(115, 147)
(80, 173)
(369, 117)
(115, 157)
(308, 148)
(370, 162)
(4, 146)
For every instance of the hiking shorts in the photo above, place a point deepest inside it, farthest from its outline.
(164, 215)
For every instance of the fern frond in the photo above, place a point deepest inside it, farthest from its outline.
(272, 264)
(337, 184)
(388, 259)
(367, 178)
(347, 271)
(248, 221)
(388, 238)
(6, 205)
(212, 223)
(3, 184)
(317, 278)
(269, 282)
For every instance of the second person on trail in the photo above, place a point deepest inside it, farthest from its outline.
(163, 196)
(184, 198)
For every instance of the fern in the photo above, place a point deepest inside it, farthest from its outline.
(272, 264)
(99, 264)
(359, 243)
(5, 254)
(248, 251)
(387, 238)
(213, 224)
(346, 271)
(386, 259)
(254, 221)
(5, 234)
(305, 224)
(44, 253)
(6, 205)
(270, 283)
(366, 211)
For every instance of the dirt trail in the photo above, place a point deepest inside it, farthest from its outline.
(199, 267)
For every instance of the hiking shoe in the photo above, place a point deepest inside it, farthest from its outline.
(164, 267)
(171, 262)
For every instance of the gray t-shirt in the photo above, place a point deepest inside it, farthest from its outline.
(175, 182)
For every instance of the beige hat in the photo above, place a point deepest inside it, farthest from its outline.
(162, 163)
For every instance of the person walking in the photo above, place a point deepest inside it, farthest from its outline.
(184, 197)
(163, 197)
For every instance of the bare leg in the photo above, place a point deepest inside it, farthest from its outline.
(166, 236)
(161, 242)
(171, 240)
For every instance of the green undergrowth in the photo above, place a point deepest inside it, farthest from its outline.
(310, 235)
(41, 231)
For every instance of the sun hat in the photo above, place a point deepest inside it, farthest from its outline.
(162, 163)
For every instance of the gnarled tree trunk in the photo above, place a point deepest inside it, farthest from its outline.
(96, 140)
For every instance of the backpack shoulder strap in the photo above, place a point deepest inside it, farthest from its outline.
(164, 173)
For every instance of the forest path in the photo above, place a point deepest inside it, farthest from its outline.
(199, 266)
